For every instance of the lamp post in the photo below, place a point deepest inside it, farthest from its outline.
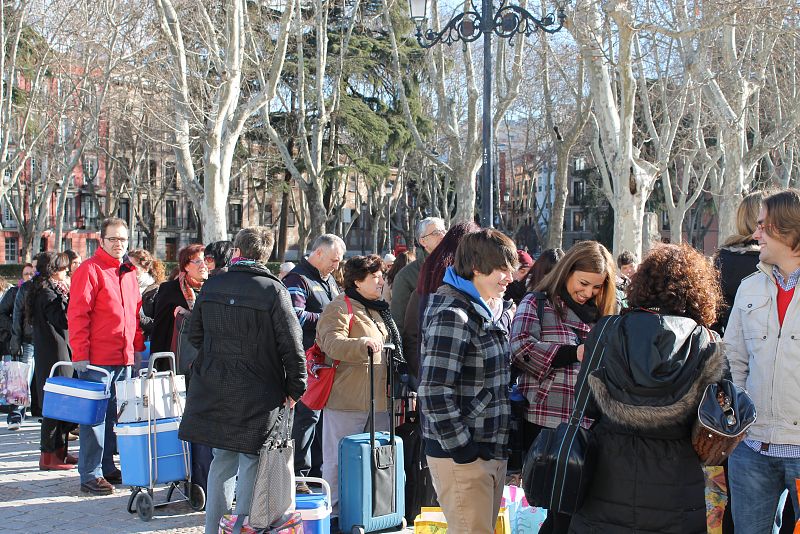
(508, 21)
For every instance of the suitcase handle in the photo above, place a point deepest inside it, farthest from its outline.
(161, 356)
(92, 367)
(325, 487)
(371, 354)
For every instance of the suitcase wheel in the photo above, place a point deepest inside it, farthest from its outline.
(144, 506)
(197, 497)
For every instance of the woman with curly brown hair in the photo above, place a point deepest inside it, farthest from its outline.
(659, 357)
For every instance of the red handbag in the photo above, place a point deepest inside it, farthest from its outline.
(320, 374)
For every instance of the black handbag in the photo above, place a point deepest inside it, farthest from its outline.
(725, 413)
(561, 461)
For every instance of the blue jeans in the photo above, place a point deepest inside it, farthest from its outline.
(17, 413)
(221, 482)
(756, 485)
(97, 442)
(307, 438)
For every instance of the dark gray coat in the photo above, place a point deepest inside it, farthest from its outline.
(648, 477)
(250, 359)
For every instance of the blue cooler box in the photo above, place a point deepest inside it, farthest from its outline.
(73, 400)
(169, 457)
(315, 508)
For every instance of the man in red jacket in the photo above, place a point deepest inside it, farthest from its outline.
(104, 331)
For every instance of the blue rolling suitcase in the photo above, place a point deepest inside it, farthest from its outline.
(373, 497)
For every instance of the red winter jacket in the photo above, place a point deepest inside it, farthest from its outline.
(103, 313)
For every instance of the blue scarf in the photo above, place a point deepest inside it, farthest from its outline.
(466, 286)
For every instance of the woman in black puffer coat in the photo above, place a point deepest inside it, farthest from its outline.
(659, 358)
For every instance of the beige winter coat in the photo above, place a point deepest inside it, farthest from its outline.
(763, 357)
(351, 386)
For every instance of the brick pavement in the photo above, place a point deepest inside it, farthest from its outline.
(33, 501)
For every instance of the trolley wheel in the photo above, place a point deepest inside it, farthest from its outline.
(132, 499)
(144, 506)
(358, 530)
(197, 497)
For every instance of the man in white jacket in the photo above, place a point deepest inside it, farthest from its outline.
(763, 348)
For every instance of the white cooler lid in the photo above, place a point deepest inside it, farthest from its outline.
(75, 392)
(141, 429)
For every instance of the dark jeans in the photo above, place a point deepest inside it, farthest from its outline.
(555, 523)
(54, 434)
(307, 436)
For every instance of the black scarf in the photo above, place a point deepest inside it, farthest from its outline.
(588, 313)
(382, 308)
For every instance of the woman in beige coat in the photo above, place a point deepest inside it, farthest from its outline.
(353, 323)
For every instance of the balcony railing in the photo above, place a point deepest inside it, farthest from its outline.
(180, 223)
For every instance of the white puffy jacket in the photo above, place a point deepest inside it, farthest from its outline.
(765, 356)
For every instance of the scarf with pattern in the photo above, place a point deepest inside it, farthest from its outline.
(189, 288)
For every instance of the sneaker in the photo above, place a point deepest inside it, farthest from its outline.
(302, 488)
(98, 486)
(14, 425)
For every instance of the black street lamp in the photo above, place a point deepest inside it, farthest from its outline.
(507, 21)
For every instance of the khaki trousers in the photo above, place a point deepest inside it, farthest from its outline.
(469, 494)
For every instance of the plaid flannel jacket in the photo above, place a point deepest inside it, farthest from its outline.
(463, 389)
(534, 343)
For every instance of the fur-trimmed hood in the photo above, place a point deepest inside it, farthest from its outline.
(655, 370)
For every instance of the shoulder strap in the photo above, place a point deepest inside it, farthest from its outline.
(590, 365)
(349, 312)
(540, 300)
(349, 323)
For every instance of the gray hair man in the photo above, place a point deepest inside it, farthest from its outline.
(250, 365)
(312, 287)
(430, 232)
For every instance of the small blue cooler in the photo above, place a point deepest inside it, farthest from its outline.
(315, 508)
(74, 400)
(169, 456)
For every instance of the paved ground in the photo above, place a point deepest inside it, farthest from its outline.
(33, 501)
(50, 501)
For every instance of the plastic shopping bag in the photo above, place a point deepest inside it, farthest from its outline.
(431, 520)
(525, 519)
(15, 389)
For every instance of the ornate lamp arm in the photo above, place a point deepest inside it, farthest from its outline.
(464, 27)
(511, 20)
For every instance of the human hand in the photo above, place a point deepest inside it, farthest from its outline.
(14, 346)
(181, 310)
(375, 345)
(290, 402)
(81, 366)
(580, 353)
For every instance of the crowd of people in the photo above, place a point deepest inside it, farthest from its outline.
(471, 316)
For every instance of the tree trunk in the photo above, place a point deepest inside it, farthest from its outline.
(60, 207)
(555, 229)
(727, 206)
(316, 209)
(465, 192)
(283, 223)
(215, 199)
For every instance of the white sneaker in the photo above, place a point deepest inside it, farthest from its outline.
(13, 426)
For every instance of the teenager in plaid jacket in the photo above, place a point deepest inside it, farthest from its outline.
(548, 349)
(463, 391)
